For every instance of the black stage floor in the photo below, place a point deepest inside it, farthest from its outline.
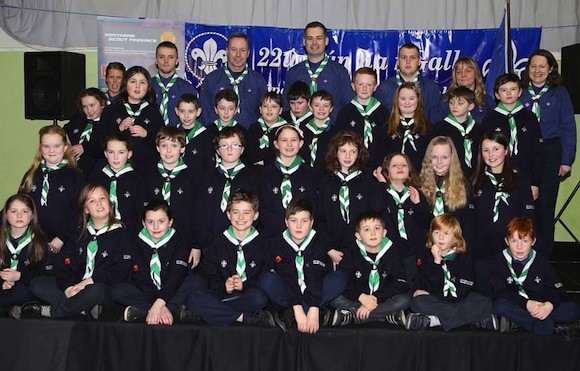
(81, 345)
(56, 345)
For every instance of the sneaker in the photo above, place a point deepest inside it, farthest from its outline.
(134, 314)
(397, 318)
(15, 312)
(188, 316)
(35, 310)
(95, 311)
(261, 318)
(324, 317)
(568, 330)
(489, 323)
(505, 325)
(285, 319)
(343, 317)
(417, 321)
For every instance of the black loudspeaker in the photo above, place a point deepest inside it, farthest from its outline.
(52, 84)
(571, 73)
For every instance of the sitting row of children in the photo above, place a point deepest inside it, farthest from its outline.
(148, 273)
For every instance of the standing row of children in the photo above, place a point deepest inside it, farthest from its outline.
(334, 188)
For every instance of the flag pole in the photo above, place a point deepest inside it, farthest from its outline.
(508, 38)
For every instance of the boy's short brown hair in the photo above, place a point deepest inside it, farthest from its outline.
(172, 133)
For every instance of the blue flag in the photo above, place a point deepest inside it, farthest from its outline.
(499, 58)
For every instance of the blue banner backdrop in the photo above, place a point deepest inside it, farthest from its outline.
(274, 50)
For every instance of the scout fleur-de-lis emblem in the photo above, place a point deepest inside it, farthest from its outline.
(524, 129)
(194, 151)
(180, 191)
(118, 120)
(156, 191)
(127, 194)
(80, 250)
(352, 123)
(537, 279)
(510, 280)
(410, 212)
(384, 275)
(105, 254)
(358, 274)
(334, 197)
(253, 264)
(33, 188)
(224, 263)
(75, 131)
(210, 190)
(208, 56)
(275, 190)
(359, 196)
(146, 121)
(302, 189)
(61, 189)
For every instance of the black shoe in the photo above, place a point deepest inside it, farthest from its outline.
(489, 323)
(324, 317)
(285, 319)
(95, 311)
(188, 316)
(568, 330)
(397, 318)
(35, 310)
(135, 314)
(343, 317)
(261, 318)
(417, 321)
(505, 325)
(15, 312)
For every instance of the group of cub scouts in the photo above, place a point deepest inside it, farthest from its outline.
(229, 232)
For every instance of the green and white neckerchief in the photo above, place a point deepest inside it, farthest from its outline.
(265, 139)
(365, 112)
(228, 124)
(230, 175)
(407, 135)
(314, 75)
(296, 121)
(286, 185)
(106, 91)
(163, 105)
(316, 131)
(464, 131)
(448, 285)
(439, 207)
(93, 245)
(399, 201)
(168, 175)
(400, 80)
(87, 131)
(240, 258)
(343, 193)
(139, 110)
(299, 249)
(197, 129)
(113, 186)
(374, 276)
(536, 99)
(512, 123)
(155, 262)
(499, 195)
(16, 250)
(519, 280)
(236, 82)
(45, 184)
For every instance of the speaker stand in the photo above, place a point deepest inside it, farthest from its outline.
(559, 216)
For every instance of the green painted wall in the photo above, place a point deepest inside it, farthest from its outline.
(18, 137)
